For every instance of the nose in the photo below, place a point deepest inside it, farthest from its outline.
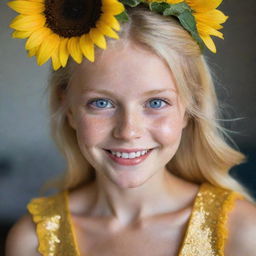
(128, 126)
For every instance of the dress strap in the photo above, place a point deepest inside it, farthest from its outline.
(207, 229)
(53, 225)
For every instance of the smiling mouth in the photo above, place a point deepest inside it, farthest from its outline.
(129, 155)
(108, 150)
(128, 159)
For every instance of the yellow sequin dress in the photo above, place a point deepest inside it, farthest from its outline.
(205, 235)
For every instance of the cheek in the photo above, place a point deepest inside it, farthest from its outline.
(91, 131)
(168, 129)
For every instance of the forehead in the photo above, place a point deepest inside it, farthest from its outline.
(123, 67)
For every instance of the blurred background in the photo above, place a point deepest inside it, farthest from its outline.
(28, 157)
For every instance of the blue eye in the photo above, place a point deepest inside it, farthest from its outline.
(157, 103)
(99, 103)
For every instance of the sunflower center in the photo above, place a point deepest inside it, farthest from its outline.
(70, 18)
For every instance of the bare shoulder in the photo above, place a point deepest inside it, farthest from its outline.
(242, 229)
(22, 239)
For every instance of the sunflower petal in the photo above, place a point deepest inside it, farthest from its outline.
(98, 38)
(37, 37)
(87, 47)
(173, 1)
(113, 8)
(205, 30)
(28, 23)
(47, 48)
(203, 5)
(56, 60)
(211, 18)
(106, 30)
(111, 21)
(26, 7)
(21, 34)
(32, 52)
(209, 43)
(63, 52)
(74, 49)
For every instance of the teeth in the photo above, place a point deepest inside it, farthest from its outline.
(129, 155)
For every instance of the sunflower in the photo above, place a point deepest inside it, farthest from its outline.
(58, 29)
(208, 18)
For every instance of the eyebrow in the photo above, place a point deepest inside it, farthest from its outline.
(144, 94)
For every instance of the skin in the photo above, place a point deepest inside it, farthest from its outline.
(127, 198)
(144, 208)
(128, 122)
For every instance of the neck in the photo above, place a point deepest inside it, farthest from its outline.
(157, 195)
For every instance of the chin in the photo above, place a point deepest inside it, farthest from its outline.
(129, 183)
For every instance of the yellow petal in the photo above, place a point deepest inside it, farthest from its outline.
(74, 49)
(205, 30)
(87, 47)
(106, 30)
(37, 37)
(32, 52)
(21, 34)
(110, 20)
(26, 7)
(211, 18)
(98, 38)
(203, 5)
(28, 23)
(56, 60)
(209, 43)
(110, 2)
(114, 8)
(63, 52)
(47, 48)
(173, 1)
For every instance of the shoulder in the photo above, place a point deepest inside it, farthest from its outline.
(22, 239)
(242, 229)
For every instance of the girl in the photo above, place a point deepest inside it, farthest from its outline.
(147, 161)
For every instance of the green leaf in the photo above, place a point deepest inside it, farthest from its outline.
(158, 7)
(188, 21)
(131, 3)
(176, 9)
(122, 17)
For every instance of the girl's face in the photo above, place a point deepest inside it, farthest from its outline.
(126, 100)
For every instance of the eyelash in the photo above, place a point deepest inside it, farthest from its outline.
(166, 101)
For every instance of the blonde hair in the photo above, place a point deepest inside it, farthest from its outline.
(203, 154)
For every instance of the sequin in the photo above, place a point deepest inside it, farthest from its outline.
(53, 225)
(207, 228)
(205, 235)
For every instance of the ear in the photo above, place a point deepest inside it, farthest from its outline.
(69, 112)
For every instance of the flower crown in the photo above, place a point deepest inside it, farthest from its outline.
(57, 29)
